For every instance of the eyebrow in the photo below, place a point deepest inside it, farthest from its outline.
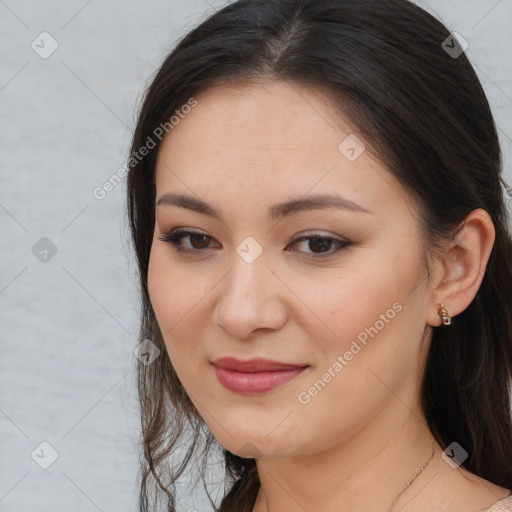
(277, 211)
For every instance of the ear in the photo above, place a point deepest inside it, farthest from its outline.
(457, 274)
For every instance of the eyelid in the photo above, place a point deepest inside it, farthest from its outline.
(319, 234)
(308, 233)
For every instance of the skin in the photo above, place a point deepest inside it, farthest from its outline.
(359, 440)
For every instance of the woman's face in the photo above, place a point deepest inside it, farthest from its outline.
(348, 309)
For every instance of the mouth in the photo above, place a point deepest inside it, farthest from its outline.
(255, 376)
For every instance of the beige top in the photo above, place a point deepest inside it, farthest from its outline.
(503, 505)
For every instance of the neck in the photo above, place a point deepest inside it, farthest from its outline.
(366, 472)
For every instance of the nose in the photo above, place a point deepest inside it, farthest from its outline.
(250, 299)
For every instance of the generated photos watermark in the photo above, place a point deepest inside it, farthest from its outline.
(101, 192)
(304, 397)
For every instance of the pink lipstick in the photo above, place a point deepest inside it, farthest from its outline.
(254, 376)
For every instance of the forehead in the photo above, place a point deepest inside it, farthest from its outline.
(272, 116)
(274, 139)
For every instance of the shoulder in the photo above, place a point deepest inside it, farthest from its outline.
(503, 505)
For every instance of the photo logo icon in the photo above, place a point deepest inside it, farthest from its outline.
(44, 250)
(454, 455)
(44, 45)
(249, 250)
(455, 45)
(352, 147)
(44, 455)
(146, 352)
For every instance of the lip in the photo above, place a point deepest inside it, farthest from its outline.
(255, 376)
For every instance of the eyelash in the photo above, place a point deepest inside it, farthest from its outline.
(174, 236)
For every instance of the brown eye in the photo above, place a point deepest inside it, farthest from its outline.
(202, 240)
(198, 241)
(321, 245)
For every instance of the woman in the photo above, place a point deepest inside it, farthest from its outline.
(319, 220)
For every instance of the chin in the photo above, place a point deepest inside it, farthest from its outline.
(255, 443)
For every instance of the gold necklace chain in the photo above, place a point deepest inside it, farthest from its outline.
(413, 478)
(406, 485)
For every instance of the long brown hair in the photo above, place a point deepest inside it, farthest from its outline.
(386, 65)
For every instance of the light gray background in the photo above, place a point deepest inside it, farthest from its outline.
(68, 326)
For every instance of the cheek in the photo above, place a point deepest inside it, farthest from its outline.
(352, 302)
(371, 317)
(176, 298)
(162, 290)
(173, 292)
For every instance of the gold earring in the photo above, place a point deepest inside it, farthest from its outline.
(443, 313)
